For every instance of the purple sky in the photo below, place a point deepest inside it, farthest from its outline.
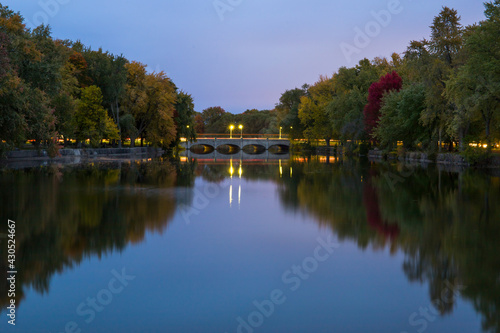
(248, 52)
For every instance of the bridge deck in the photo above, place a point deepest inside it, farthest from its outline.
(238, 142)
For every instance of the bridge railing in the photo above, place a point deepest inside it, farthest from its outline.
(238, 136)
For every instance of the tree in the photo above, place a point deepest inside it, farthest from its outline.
(351, 87)
(400, 117)
(158, 120)
(109, 73)
(211, 116)
(288, 111)
(387, 83)
(199, 124)
(313, 110)
(91, 119)
(432, 62)
(150, 99)
(476, 85)
(184, 117)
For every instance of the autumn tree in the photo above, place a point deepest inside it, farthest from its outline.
(199, 124)
(313, 110)
(150, 99)
(387, 83)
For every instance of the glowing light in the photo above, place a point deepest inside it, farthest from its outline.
(240, 171)
(281, 170)
(485, 146)
(239, 196)
(241, 131)
(291, 172)
(230, 195)
(231, 127)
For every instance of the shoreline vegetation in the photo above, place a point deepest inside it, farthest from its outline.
(437, 101)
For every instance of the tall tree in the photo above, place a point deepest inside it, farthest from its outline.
(313, 110)
(150, 99)
(288, 111)
(184, 117)
(476, 85)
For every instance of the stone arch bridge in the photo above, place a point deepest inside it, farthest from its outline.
(239, 143)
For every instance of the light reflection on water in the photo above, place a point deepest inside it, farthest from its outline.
(210, 239)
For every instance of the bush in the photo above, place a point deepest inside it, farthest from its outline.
(476, 156)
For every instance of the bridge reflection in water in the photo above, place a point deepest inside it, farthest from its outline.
(236, 164)
(242, 155)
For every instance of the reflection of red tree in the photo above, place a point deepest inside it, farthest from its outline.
(373, 216)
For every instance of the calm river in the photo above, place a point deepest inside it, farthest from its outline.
(250, 245)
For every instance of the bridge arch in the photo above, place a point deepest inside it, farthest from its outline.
(254, 149)
(279, 149)
(228, 149)
(202, 148)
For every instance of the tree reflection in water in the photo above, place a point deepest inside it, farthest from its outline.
(446, 223)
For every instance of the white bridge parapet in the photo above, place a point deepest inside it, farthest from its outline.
(240, 143)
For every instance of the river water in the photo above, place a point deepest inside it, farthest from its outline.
(272, 244)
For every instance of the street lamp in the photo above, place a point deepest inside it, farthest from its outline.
(241, 131)
(231, 131)
(280, 131)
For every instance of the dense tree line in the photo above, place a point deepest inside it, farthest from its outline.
(216, 120)
(441, 90)
(58, 89)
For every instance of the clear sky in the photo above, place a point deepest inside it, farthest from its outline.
(242, 54)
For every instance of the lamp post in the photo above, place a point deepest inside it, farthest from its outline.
(231, 131)
(241, 131)
(280, 131)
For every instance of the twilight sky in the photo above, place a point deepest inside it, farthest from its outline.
(245, 53)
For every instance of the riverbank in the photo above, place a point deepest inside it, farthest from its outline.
(413, 157)
(33, 158)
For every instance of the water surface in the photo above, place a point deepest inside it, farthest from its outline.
(252, 245)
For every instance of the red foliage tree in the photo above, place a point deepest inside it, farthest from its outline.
(199, 124)
(387, 83)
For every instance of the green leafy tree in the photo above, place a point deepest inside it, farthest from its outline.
(476, 86)
(313, 110)
(211, 116)
(184, 117)
(91, 119)
(288, 111)
(400, 117)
